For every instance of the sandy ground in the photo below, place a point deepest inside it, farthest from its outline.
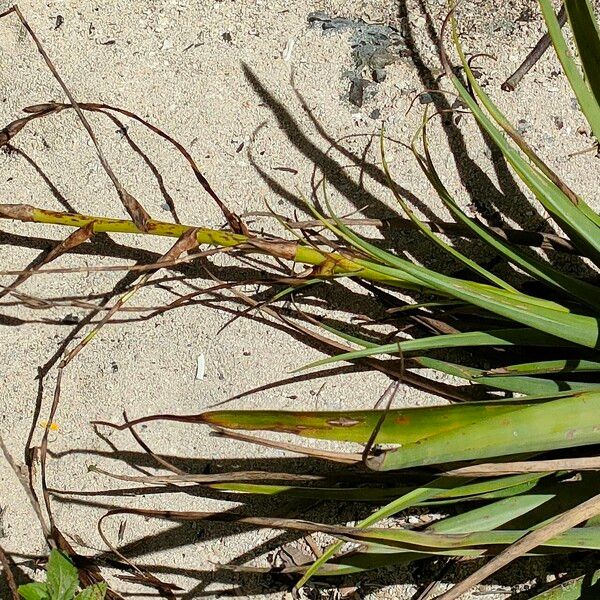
(180, 64)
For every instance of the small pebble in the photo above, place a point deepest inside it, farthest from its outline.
(70, 319)
(425, 98)
(200, 367)
(379, 75)
(287, 51)
(523, 126)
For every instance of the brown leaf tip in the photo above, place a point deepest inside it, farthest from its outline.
(17, 212)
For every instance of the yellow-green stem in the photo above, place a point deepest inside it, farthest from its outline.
(332, 264)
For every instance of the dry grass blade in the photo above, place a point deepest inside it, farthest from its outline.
(209, 478)
(27, 488)
(234, 221)
(338, 457)
(587, 463)
(532, 58)
(182, 260)
(584, 511)
(166, 590)
(543, 240)
(159, 459)
(8, 575)
(78, 237)
(135, 210)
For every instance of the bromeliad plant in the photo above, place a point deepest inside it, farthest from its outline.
(514, 456)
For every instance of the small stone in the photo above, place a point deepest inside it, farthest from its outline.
(523, 126)
(378, 75)
(227, 37)
(558, 122)
(359, 119)
(200, 367)
(287, 51)
(70, 319)
(375, 114)
(166, 45)
(114, 367)
(425, 98)
(356, 95)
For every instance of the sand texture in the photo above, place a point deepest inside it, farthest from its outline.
(257, 97)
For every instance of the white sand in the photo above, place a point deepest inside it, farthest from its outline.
(201, 97)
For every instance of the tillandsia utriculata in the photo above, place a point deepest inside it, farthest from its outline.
(527, 459)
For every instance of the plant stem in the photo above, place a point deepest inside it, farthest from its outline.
(328, 264)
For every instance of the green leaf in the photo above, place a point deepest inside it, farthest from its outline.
(482, 490)
(586, 587)
(93, 592)
(584, 35)
(587, 37)
(427, 492)
(532, 386)
(525, 259)
(63, 578)
(546, 316)
(584, 538)
(491, 516)
(500, 337)
(521, 308)
(34, 591)
(562, 423)
(571, 365)
(572, 214)
(400, 426)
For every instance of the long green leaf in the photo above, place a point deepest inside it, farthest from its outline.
(499, 337)
(481, 490)
(586, 587)
(519, 384)
(528, 310)
(566, 422)
(400, 426)
(584, 538)
(529, 262)
(577, 328)
(567, 365)
(584, 35)
(587, 37)
(490, 516)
